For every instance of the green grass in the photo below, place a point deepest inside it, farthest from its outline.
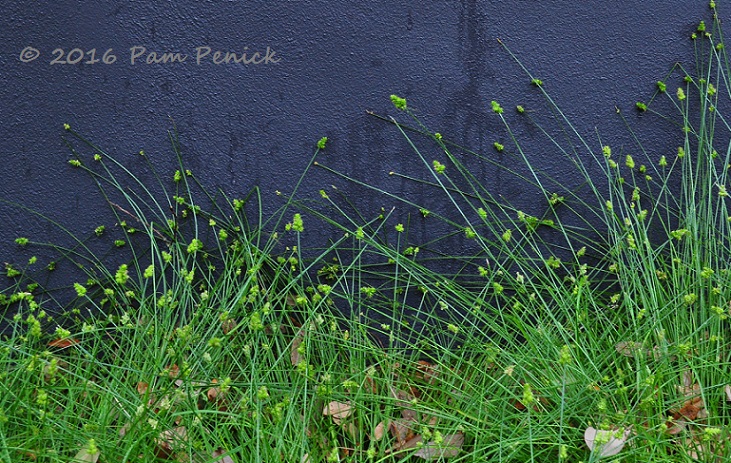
(221, 333)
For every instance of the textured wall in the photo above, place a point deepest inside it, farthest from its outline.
(246, 124)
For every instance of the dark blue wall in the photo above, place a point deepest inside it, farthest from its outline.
(242, 125)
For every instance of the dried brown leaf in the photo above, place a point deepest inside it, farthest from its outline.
(400, 430)
(294, 356)
(675, 427)
(84, 456)
(371, 384)
(379, 431)
(606, 443)
(408, 414)
(702, 448)
(426, 371)
(168, 442)
(351, 429)
(218, 396)
(689, 389)
(687, 379)
(628, 348)
(225, 458)
(632, 348)
(338, 410)
(691, 409)
(228, 325)
(404, 399)
(408, 444)
(213, 392)
(63, 343)
(173, 371)
(450, 446)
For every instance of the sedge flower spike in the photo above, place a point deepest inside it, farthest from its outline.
(528, 397)
(398, 102)
(297, 224)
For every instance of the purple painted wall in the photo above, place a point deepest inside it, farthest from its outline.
(327, 63)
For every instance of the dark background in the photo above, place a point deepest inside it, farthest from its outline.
(245, 125)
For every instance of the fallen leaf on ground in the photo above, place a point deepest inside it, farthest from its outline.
(168, 442)
(294, 355)
(400, 430)
(85, 456)
(217, 395)
(338, 410)
(63, 343)
(228, 325)
(606, 443)
(690, 389)
(631, 348)
(449, 447)
(427, 372)
(675, 426)
(379, 431)
(404, 399)
(407, 444)
(225, 458)
(693, 409)
(173, 371)
(703, 448)
(351, 429)
(628, 348)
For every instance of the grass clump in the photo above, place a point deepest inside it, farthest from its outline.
(603, 310)
(594, 324)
